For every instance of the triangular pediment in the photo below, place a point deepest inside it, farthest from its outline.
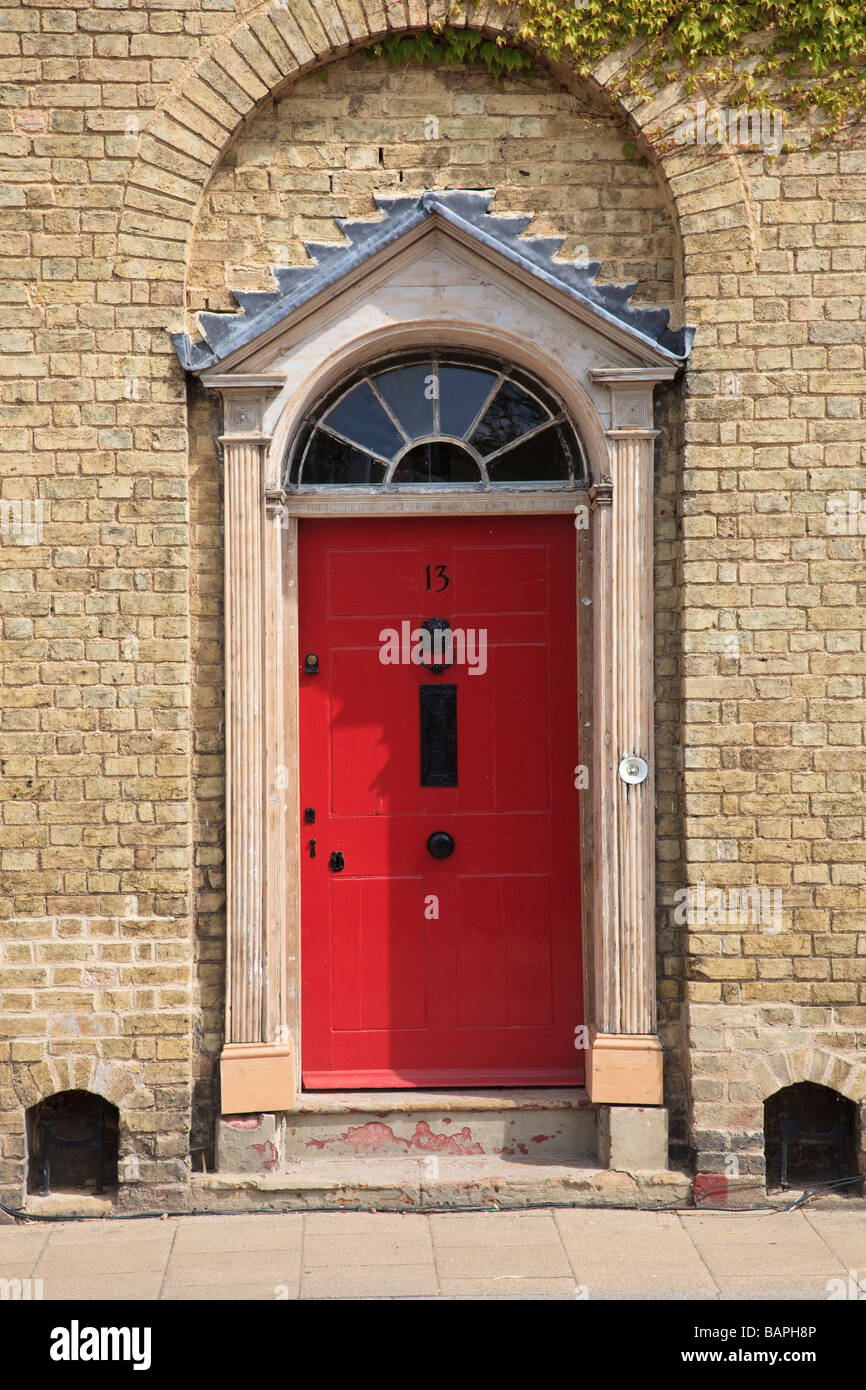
(432, 225)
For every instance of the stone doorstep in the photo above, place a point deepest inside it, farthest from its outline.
(546, 1125)
(414, 1184)
(371, 1102)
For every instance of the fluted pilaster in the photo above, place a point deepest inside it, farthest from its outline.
(245, 746)
(257, 1063)
(625, 1052)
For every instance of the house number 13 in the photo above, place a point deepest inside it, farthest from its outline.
(441, 572)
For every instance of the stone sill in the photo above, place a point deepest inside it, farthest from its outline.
(387, 1102)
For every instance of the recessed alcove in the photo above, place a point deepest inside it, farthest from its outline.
(810, 1137)
(72, 1141)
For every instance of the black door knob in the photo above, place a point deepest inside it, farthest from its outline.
(440, 844)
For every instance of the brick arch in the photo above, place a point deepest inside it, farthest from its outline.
(820, 1065)
(206, 105)
(37, 1081)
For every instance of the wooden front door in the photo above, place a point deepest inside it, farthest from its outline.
(465, 969)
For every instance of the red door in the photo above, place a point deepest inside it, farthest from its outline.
(418, 970)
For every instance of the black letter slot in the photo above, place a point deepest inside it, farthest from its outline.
(438, 735)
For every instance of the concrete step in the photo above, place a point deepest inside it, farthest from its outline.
(435, 1183)
(537, 1125)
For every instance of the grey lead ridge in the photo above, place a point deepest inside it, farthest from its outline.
(224, 333)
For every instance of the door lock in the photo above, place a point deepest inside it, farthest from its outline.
(440, 844)
(336, 863)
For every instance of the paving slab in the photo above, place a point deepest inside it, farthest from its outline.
(206, 1233)
(15, 1265)
(494, 1228)
(370, 1281)
(236, 1293)
(145, 1256)
(843, 1232)
(504, 1261)
(792, 1286)
(624, 1278)
(350, 1222)
(640, 1294)
(506, 1286)
(234, 1267)
(119, 1288)
(367, 1248)
(78, 1233)
(637, 1225)
(771, 1246)
(21, 1244)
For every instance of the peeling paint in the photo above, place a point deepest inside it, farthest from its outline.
(374, 1136)
(243, 1121)
(267, 1153)
(369, 1138)
(460, 1143)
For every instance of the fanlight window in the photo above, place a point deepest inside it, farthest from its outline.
(441, 419)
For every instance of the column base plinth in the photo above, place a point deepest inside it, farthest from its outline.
(257, 1077)
(624, 1068)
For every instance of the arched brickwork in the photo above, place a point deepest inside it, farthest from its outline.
(36, 1082)
(210, 99)
(820, 1065)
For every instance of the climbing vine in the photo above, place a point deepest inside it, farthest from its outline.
(454, 48)
(812, 51)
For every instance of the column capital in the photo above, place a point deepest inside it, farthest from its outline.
(245, 400)
(631, 392)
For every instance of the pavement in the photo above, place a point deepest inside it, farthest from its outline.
(555, 1253)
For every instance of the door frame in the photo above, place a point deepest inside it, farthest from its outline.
(614, 577)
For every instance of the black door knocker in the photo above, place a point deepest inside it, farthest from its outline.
(440, 646)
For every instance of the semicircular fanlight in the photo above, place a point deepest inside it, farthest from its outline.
(440, 419)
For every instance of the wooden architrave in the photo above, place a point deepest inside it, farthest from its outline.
(265, 398)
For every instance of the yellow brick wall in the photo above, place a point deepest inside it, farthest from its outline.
(154, 157)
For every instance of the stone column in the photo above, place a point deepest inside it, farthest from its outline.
(625, 1056)
(256, 1065)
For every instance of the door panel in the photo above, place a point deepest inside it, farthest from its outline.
(466, 970)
